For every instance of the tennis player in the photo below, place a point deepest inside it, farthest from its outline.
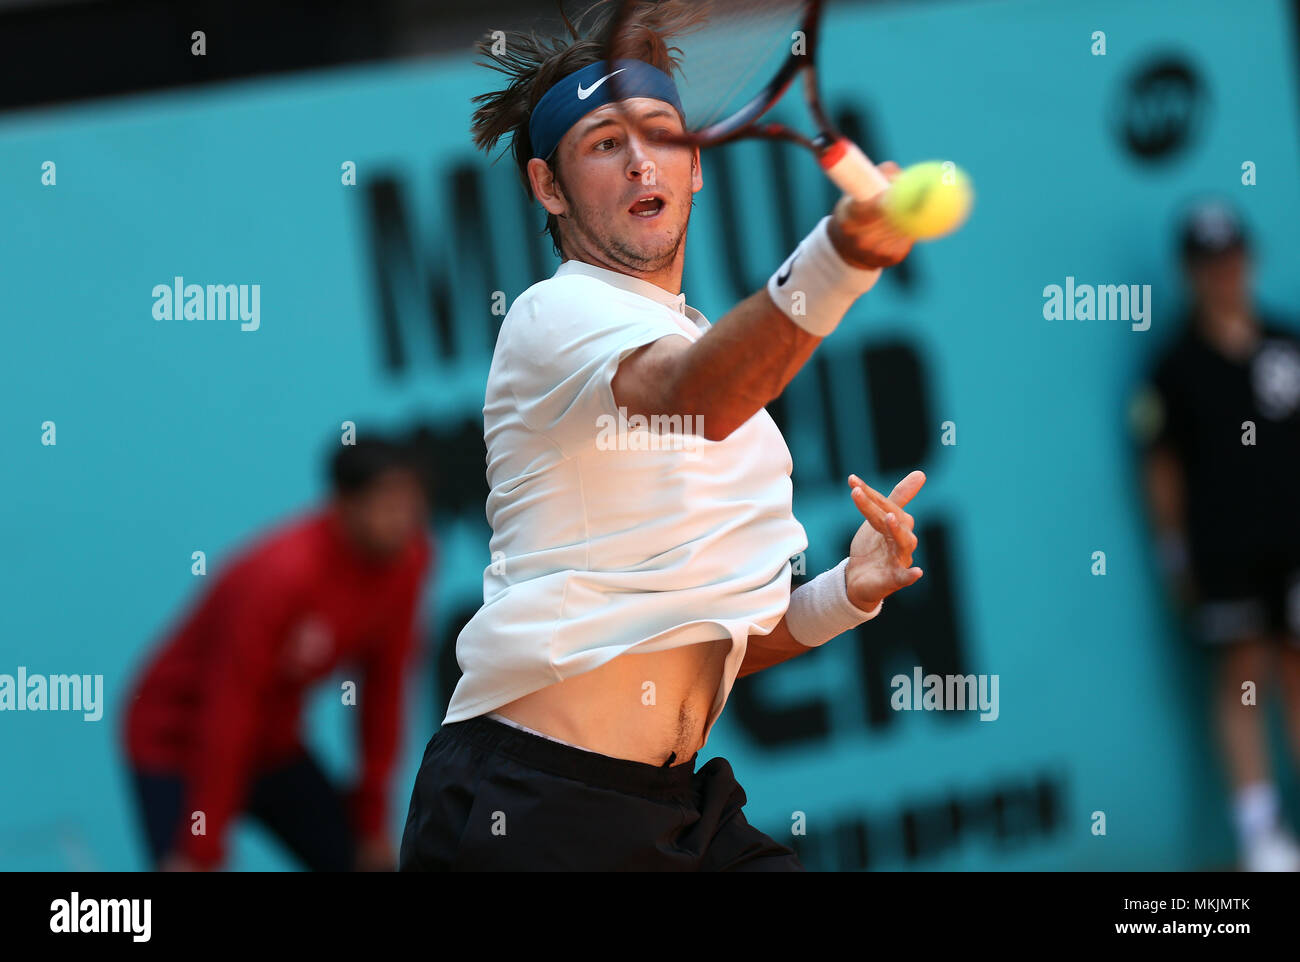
(634, 580)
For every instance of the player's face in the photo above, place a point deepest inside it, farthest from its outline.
(1221, 284)
(629, 194)
(386, 515)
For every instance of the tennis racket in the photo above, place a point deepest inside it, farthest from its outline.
(737, 59)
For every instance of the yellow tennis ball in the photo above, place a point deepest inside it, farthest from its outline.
(930, 199)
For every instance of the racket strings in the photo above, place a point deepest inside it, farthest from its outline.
(728, 61)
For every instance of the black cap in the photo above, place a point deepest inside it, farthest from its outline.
(1211, 229)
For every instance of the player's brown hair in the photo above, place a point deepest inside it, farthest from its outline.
(534, 64)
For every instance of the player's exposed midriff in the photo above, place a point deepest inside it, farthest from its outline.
(610, 709)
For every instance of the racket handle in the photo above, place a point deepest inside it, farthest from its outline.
(851, 171)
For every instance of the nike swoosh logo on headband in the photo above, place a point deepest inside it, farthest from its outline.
(584, 94)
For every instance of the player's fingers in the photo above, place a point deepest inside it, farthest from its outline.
(862, 217)
(906, 489)
(905, 519)
(870, 510)
(885, 504)
(902, 534)
(902, 540)
(883, 523)
(889, 169)
(868, 237)
(907, 576)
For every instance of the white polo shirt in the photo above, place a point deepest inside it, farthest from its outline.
(607, 538)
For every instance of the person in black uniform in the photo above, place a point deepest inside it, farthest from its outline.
(1219, 419)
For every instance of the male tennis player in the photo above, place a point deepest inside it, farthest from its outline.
(213, 727)
(631, 586)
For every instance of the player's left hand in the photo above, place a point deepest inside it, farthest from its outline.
(880, 557)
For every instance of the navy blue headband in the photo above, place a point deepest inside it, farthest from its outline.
(578, 94)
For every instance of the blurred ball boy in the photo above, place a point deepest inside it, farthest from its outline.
(214, 722)
(1226, 504)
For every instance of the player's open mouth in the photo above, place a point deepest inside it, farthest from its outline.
(647, 206)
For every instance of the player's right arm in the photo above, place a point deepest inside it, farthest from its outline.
(754, 350)
(740, 365)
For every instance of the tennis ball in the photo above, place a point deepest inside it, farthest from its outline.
(929, 199)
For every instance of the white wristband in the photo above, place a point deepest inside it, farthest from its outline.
(820, 609)
(815, 287)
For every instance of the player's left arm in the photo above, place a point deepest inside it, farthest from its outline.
(764, 651)
(879, 563)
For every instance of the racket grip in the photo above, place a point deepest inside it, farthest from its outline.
(851, 171)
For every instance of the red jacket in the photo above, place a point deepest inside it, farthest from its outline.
(222, 699)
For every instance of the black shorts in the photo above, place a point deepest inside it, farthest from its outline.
(489, 797)
(1249, 595)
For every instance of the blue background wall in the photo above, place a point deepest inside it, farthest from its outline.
(175, 436)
